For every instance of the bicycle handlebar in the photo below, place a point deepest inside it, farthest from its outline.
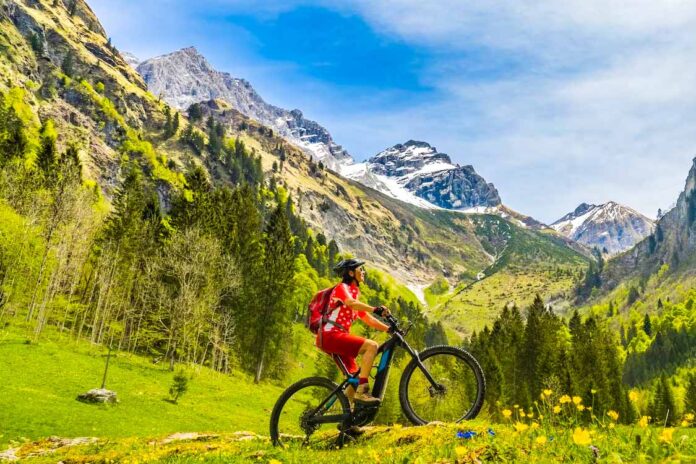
(390, 319)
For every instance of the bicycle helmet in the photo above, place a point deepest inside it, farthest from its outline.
(346, 265)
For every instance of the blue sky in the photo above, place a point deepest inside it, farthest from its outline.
(556, 103)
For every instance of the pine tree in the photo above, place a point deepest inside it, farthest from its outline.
(690, 396)
(273, 326)
(68, 64)
(179, 386)
(333, 253)
(37, 44)
(13, 137)
(195, 113)
(241, 237)
(647, 325)
(167, 121)
(662, 408)
(47, 156)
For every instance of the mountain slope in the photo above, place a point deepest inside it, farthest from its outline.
(673, 242)
(526, 263)
(610, 226)
(185, 77)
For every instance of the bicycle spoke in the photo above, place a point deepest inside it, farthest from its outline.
(455, 394)
(298, 418)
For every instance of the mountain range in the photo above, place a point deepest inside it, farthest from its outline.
(414, 172)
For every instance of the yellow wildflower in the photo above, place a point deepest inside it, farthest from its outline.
(564, 399)
(577, 400)
(581, 436)
(633, 396)
(541, 440)
(541, 417)
(516, 406)
(547, 392)
(507, 413)
(530, 414)
(666, 435)
(460, 451)
(580, 407)
(360, 452)
(535, 425)
(522, 414)
(556, 409)
(520, 427)
(643, 422)
(611, 425)
(689, 417)
(593, 391)
(684, 423)
(274, 461)
(613, 415)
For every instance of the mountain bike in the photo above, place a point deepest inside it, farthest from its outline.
(441, 383)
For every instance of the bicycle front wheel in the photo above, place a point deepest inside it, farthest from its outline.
(458, 391)
(308, 414)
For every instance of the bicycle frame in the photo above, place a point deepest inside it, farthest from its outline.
(378, 390)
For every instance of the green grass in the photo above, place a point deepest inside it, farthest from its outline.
(427, 444)
(41, 381)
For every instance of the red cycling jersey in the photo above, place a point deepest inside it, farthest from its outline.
(338, 311)
(335, 340)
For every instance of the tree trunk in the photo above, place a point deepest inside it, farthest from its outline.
(259, 366)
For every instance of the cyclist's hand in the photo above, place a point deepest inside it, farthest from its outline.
(384, 311)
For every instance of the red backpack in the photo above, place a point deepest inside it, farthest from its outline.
(318, 309)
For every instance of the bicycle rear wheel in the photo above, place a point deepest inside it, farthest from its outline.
(460, 390)
(294, 416)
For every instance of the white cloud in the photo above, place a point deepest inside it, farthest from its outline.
(604, 108)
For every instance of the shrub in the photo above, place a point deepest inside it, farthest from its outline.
(179, 385)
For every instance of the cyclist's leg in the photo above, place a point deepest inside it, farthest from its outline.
(345, 347)
(369, 351)
(352, 368)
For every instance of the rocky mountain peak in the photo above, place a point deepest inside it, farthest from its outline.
(185, 77)
(409, 158)
(416, 172)
(611, 227)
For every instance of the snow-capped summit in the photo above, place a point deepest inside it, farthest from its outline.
(131, 59)
(417, 173)
(611, 227)
(185, 77)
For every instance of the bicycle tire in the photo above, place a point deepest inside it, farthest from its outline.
(319, 382)
(451, 352)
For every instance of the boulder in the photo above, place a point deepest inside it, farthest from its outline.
(98, 395)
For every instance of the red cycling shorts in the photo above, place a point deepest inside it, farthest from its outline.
(343, 345)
